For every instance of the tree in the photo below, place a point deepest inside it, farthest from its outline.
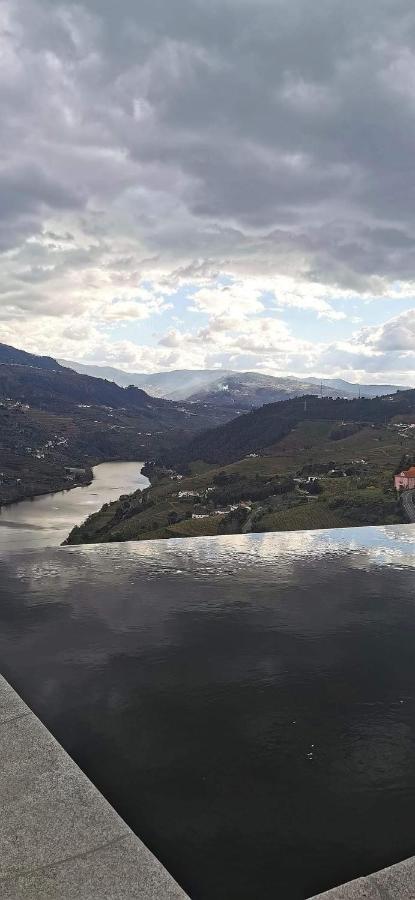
(314, 487)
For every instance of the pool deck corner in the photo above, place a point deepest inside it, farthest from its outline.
(59, 837)
(394, 883)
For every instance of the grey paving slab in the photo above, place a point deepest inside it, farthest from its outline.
(110, 873)
(11, 705)
(59, 837)
(394, 883)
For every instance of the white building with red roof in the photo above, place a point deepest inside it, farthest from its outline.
(405, 481)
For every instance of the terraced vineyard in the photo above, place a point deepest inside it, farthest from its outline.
(354, 475)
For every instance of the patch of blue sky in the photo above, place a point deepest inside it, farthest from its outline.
(375, 312)
(306, 324)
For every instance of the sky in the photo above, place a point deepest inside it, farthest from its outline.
(222, 184)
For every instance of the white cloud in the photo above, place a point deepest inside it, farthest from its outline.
(395, 336)
(242, 298)
(241, 343)
(382, 352)
(255, 153)
(133, 310)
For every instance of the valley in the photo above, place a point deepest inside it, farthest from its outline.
(53, 420)
(299, 463)
(311, 478)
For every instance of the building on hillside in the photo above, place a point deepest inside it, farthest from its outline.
(405, 481)
(202, 513)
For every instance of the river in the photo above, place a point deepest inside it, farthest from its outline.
(47, 520)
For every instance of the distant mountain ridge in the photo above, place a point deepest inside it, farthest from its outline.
(364, 390)
(177, 384)
(14, 356)
(108, 373)
(247, 390)
(61, 389)
(224, 387)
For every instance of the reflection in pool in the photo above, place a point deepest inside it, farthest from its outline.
(247, 703)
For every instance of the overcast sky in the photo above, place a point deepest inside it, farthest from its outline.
(202, 183)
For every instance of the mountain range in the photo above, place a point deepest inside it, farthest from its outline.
(226, 388)
(179, 384)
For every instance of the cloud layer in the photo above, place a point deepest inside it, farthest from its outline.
(255, 155)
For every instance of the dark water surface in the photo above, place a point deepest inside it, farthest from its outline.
(246, 703)
(46, 521)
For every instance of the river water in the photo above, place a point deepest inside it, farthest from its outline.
(46, 521)
(247, 703)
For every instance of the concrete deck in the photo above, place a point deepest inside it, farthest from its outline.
(395, 883)
(59, 838)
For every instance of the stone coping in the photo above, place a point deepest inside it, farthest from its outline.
(59, 837)
(395, 883)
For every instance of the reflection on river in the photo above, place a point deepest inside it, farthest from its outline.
(46, 521)
(247, 703)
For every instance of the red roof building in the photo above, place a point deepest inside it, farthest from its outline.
(405, 481)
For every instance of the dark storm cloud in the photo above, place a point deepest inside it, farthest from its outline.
(263, 137)
(29, 190)
(273, 113)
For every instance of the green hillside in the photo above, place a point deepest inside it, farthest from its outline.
(53, 418)
(353, 468)
(262, 428)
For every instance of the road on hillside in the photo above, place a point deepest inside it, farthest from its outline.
(408, 504)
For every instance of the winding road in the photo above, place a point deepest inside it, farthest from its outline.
(409, 504)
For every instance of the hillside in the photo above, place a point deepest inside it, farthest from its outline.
(52, 388)
(11, 355)
(321, 474)
(247, 390)
(54, 418)
(177, 384)
(288, 466)
(262, 428)
(109, 373)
